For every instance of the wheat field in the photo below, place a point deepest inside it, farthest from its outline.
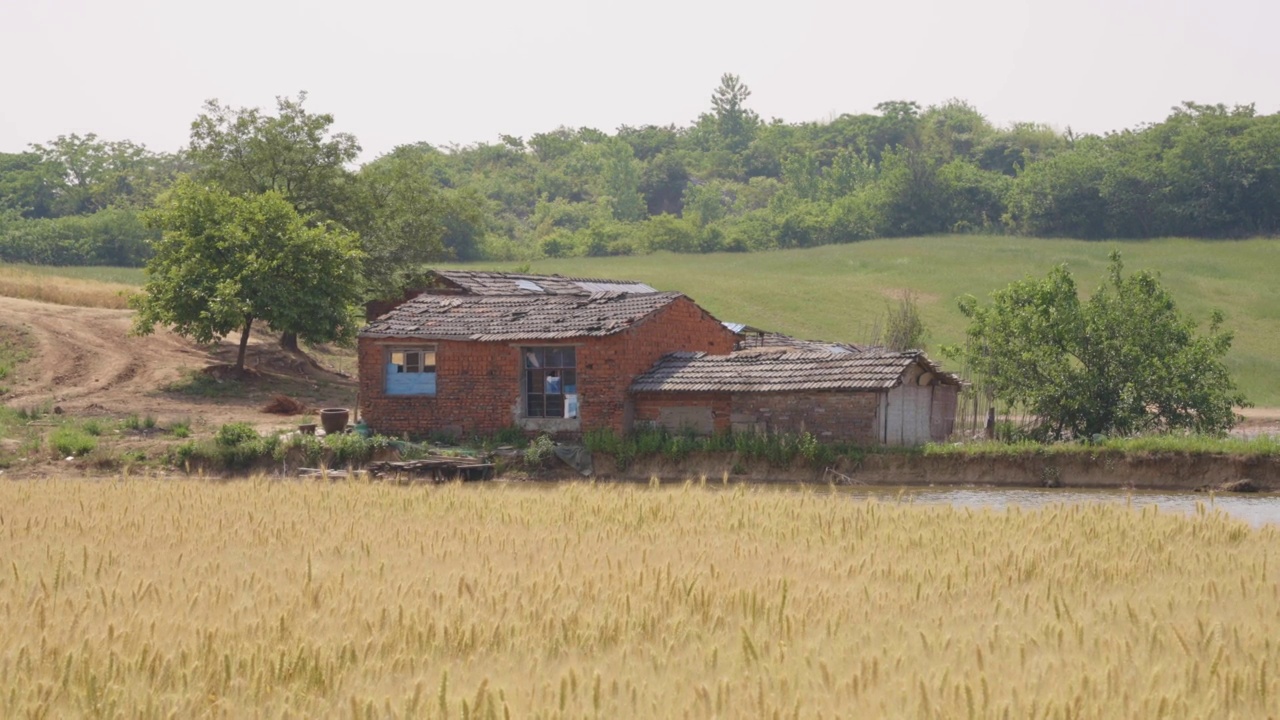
(22, 282)
(162, 598)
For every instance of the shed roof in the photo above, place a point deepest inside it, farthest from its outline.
(772, 342)
(517, 317)
(480, 282)
(875, 369)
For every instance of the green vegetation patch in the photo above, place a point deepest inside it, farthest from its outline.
(238, 447)
(778, 450)
(15, 349)
(72, 441)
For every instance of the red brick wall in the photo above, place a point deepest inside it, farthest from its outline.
(473, 389)
(649, 406)
(680, 326)
(478, 384)
(829, 416)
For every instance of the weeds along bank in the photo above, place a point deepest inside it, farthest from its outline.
(40, 444)
(247, 598)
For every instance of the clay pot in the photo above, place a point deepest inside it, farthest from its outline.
(334, 420)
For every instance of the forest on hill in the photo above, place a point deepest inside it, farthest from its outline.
(728, 181)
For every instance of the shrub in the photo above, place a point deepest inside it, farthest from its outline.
(236, 446)
(306, 450)
(233, 434)
(347, 449)
(181, 428)
(539, 450)
(68, 440)
(93, 427)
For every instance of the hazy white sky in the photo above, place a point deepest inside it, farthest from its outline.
(396, 71)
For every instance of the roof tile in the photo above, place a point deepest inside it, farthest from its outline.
(874, 369)
(477, 282)
(494, 318)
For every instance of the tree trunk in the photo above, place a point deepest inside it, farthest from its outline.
(244, 342)
(289, 341)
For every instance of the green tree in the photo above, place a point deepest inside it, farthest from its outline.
(28, 185)
(1062, 195)
(93, 174)
(226, 261)
(294, 153)
(1125, 361)
(663, 184)
(735, 124)
(408, 218)
(622, 177)
(955, 130)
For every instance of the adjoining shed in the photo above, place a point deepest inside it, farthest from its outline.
(865, 396)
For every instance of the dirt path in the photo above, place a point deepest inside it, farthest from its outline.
(85, 362)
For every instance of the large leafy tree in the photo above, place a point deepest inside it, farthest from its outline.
(409, 218)
(226, 261)
(89, 174)
(294, 152)
(1123, 362)
(28, 185)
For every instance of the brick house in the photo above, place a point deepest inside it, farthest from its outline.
(477, 352)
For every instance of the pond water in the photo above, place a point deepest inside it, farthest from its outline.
(1256, 509)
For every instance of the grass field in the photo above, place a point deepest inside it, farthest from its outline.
(113, 275)
(181, 598)
(836, 292)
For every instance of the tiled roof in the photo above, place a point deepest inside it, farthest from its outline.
(516, 317)
(778, 372)
(500, 283)
(777, 342)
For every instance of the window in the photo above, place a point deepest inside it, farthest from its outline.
(411, 371)
(550, 382)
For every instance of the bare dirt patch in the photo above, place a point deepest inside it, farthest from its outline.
(85, 362)
(1258, 421)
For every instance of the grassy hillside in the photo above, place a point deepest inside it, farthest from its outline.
(835, 292)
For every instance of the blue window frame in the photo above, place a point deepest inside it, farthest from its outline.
(411, 370)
